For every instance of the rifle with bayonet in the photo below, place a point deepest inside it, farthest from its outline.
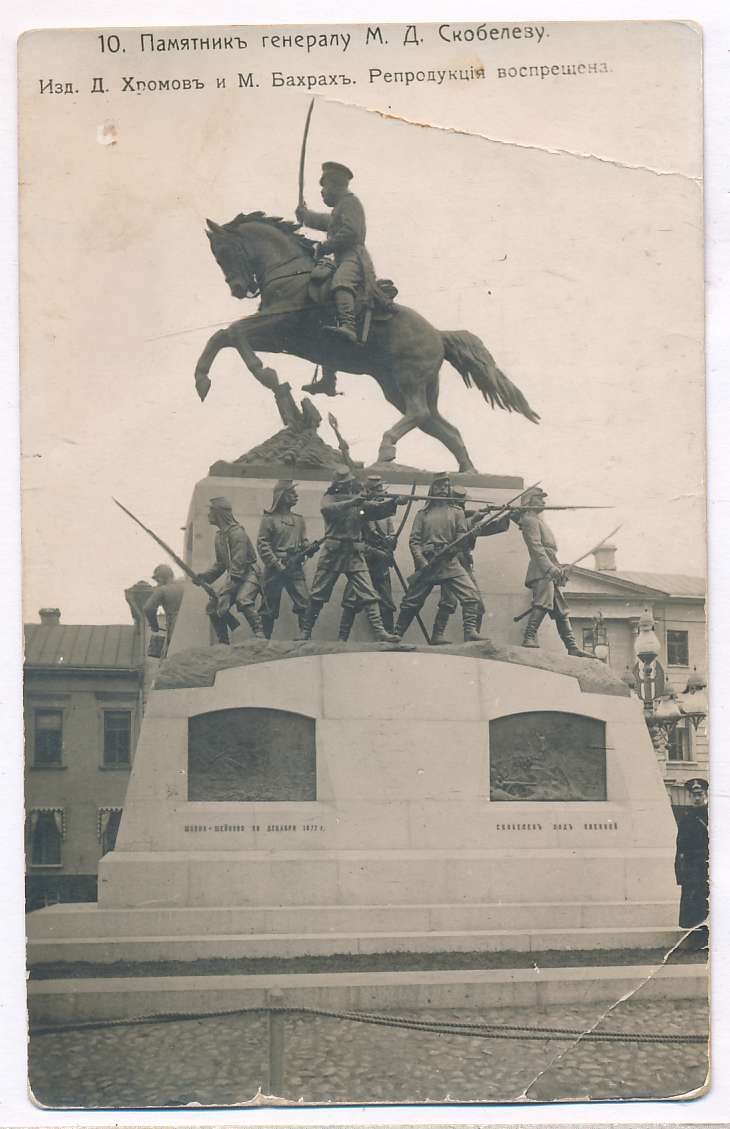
(357, 473)
(460, 542)
(228, 619)
(566, 569)
(493, 507)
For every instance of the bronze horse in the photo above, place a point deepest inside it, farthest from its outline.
(264, 255)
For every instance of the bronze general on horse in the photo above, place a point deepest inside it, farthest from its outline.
(302, 295)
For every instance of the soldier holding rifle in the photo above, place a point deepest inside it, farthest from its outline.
(235, 557)
(436, 526)
(283, 546)
(448, 601)
(545, 575)
(345, 509)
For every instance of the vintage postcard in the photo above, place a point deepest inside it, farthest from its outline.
(364, 564)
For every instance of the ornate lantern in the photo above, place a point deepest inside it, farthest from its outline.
(600, 638)
(693, 700)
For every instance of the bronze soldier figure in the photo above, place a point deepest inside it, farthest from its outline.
(346, 230)
(345, 510)
(167, 596)
(282, 537)
(691, 863)
(435, 526)
(379, 545)
(545, 575)
(447, 602)
(236, 557)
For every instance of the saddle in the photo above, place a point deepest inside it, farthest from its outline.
(375, 304)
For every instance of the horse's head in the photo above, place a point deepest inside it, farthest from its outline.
(253, 244)
(230, 254)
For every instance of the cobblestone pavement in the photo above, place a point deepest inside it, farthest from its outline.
(224, 1061)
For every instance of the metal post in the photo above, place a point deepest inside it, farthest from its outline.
(276, 1045)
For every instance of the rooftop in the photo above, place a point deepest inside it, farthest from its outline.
(82, 647)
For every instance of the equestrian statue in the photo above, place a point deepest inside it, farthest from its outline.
(323, 302)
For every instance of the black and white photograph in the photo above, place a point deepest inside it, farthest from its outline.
(364, 564)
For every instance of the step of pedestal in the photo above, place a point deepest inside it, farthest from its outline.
(208, 946)
(63, 1001)
(88, 920)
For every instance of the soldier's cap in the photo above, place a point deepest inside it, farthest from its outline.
(696, 784)
(458, 492)
(163, 573)
(374, 481)
(220, 503)
(336, 170)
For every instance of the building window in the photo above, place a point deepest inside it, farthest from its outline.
(117, 738)
(679, 747)
(48, 738)
(109, 820)
(677, 648)
(46, 837)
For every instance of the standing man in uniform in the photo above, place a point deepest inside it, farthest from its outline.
(447, 603)
(282, 536)
(166, 596)
(691, 863)
(545, 575)
(439, 523)
(346, 230)
(379, 546)
(236, 557)
(345, 509)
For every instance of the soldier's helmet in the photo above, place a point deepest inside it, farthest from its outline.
(374, 484)
(163, 574)
(343, 482)
(459, 494)
(440, 485)
(280, 488)
(533, 496)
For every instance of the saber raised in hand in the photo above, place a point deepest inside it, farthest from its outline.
(303, 153)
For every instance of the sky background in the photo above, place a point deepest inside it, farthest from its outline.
(559, 220)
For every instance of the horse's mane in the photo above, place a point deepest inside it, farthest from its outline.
(285, 226)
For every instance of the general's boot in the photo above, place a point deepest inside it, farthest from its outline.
(469, 615)
(534, 620)
(253, 619)
(480, 619)
(565, 631)
(439, 626)
(267, 622)
(387, 616)
(380, 635)
(326, 384)
(345, 309)
(310, 618)
(346, 621)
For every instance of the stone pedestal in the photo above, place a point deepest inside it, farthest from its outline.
(407, 820)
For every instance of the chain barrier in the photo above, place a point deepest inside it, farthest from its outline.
(437, 1027)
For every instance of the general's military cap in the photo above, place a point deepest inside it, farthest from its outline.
(696, 784)
(335, 169)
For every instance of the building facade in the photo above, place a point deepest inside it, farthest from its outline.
(84, 693)
(676, 604)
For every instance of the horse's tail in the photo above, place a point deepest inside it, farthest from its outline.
(471, 358)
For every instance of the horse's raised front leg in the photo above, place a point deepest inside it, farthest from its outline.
(242, 335)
